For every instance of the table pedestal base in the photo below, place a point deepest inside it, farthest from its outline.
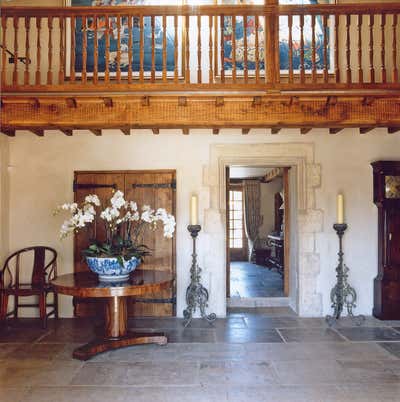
(97, 346)
(116, 334)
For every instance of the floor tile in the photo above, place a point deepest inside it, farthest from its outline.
(392, 347)
(236, 373)
(251, 280)
(298, 372)
(127, 394)
(370, 334)
(238, 335)
(369, 371)
(191, 335)
(138, 374)
(37, 351)
(310, 335)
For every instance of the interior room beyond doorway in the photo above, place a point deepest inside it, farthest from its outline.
(257, 232)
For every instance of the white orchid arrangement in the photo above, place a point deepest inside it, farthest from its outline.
(124, 225)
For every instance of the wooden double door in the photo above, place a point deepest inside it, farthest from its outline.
(150, 187)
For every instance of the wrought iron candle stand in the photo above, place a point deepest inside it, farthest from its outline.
(343, 295)
(196, 293)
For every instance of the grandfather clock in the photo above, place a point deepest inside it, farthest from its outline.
(387, 199)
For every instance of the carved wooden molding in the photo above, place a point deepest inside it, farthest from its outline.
(272, 111)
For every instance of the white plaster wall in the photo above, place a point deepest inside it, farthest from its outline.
(41, 175)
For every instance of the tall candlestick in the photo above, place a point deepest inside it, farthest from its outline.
(194, 207)
(340, 209)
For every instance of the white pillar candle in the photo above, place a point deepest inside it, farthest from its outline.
(340, 209)
(194, 207)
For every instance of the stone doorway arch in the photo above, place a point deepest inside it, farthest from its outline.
(305, 178)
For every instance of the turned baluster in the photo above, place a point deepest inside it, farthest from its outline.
(27, 50)
(130, 49)
(50, 50)
(73, 46)
(84, 48)
(245, 53)
(302, 68)
(141, 49)
(222, 50)
(337, 67)
(164, 49)
(107, 49)
(95, 51)
(176, 49)
(199, 72)
(313, 51)
(187, 50)
(348, 54)
(15, 72)
(383, 50)
(371, 49)
(3, 50)
(234, 72)
(153, 49)
(257, 49)
(395, 74)
(326, 33)
(118, 48)
(359, 49)
(290, 39)
(61, 73)
(210, 50)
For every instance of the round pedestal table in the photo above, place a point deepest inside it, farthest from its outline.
(115, 295)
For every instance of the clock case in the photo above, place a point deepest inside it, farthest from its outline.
(387, 282)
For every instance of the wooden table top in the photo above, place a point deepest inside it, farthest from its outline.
(86, 284)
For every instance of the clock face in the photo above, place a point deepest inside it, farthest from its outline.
(392, 187)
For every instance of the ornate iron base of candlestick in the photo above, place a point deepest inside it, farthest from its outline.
(343, 295)
(196, 293)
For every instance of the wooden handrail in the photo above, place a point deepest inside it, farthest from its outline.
(213, 10)
(209, 62)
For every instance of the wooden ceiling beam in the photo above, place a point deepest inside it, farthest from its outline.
(305, 130)
(9, 132)
(245, 131)
(365, 130)
(95, 131)
(275, 130)
(38, 131)
(156, 131)
(182, 101)
(185, 131)
(393, 130)
(219, 101)
(145, 101)
(126, 130)
(215, 131)
(334, 130)
(67, 131)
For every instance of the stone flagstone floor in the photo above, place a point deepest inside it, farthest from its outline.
(268, 355)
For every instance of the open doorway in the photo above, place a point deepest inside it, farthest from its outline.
(258, 232)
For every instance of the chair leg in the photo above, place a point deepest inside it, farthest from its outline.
(42, 309)
(55, 305)
(3, 306)
(16, 301)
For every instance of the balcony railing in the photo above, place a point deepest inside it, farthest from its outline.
(203, 48)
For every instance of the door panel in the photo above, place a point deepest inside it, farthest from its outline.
(103, 185)
(157, 190)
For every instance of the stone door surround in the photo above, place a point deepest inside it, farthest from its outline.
(300, 157)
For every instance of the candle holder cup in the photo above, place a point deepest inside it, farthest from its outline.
(196, 293)
(342, 294)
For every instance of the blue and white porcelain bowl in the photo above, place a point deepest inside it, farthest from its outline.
(110, 270)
